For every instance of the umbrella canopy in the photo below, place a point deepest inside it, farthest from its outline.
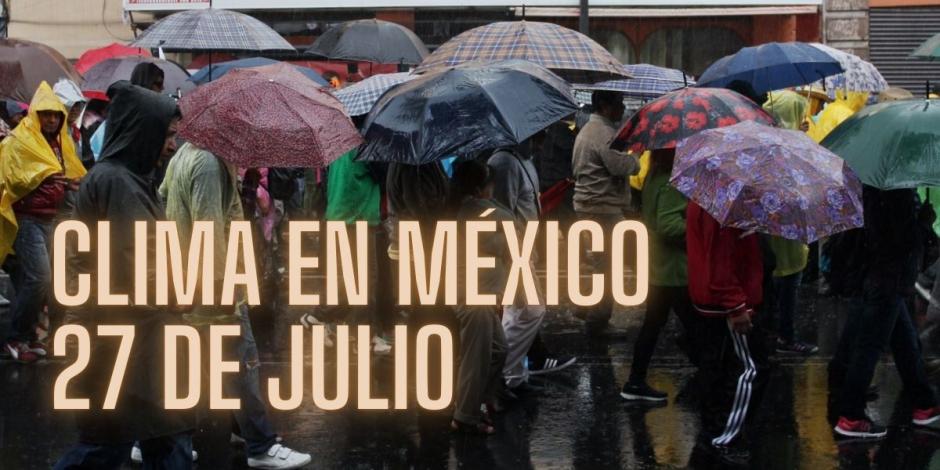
(105, 73)
(572, 55)
(267, 117)
(771, 66)
(378, 41)
(929, 49)
(91, 57)
(26, 64)
(859, 75)
(216, 71)
(891, 145)
(212, 29)
(464, 110)
(649, 81)
(360, 97)
(769, 180)
(665, 121)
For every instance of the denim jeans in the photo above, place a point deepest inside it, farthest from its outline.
(786, 297)
(882, 321)
(31, 278)
(252, 418)
(161, 453)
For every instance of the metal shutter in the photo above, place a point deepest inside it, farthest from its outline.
(894, 34)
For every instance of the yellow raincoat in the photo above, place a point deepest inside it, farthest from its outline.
(788, 108)
(836, 112)
(637, 180)
(26, 160)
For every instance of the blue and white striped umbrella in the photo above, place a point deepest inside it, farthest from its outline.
(360, 97)
(859, 75)
(649, 81)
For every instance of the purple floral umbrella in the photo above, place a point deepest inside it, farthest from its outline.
(769, 180)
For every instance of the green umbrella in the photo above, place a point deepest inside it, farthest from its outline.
(891, 145)
(929, 49)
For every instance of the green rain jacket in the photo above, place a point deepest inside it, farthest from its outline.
(664, 214)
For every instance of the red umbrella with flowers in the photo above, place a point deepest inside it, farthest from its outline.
(671, 118)
(270, 116)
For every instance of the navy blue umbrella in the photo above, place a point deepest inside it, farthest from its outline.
(218, 70)
(464, 110)
(771, 66)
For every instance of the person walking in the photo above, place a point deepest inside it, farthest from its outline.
(38, 164)
(889, 268)
(515, 187)
(200, 186)
(482, 341)
(119, 190)
(725, 270)
(664, 210)
(601, 191)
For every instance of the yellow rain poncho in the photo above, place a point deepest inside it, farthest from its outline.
(26, 160)
(836, 112)
(788, 108)
(637, 180)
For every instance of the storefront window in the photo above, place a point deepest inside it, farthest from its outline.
(618, 45)
(689, 49)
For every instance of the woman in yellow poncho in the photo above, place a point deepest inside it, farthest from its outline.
(38, 164)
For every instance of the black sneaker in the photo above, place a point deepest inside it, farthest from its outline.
(551, 364)
(641, 392)
(796, 347)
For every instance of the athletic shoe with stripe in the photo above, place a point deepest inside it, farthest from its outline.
(860, 428)
(641, 392)
(926, 416)
(551, 364)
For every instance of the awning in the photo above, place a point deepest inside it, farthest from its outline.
(679, 12)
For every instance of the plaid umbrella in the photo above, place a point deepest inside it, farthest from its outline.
(572, 55)
(665, 121)
(267, 116)
(360, 97)
(212, 30)
(769, 180)
(649, 81)
(859, 75)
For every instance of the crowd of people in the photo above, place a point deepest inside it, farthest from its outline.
(714, 278)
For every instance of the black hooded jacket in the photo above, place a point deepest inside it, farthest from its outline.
(119, 189)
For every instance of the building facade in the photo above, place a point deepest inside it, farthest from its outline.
(684, 34)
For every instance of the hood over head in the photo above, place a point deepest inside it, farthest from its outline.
(137, 124)
(788, 108)
(44, 100)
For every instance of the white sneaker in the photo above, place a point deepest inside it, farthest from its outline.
(380, 346)
(4, 302)
(308, 320)
(279, 457)
(138, 457)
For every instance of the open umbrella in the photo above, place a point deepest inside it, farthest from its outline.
(91, 57)
(360, 97)
(572, 55)
(891, 145)
(663, 122)
(378, 41)
(26, 64)
(649, 81)
(216, 71)
(464, 110)
(929, 49)
(211, 29)
(769, 180)
(771, 66)
(859, 75)
(100, 77)
(267, 117)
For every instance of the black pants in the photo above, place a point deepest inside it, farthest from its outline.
(732, 374)
(660, 301)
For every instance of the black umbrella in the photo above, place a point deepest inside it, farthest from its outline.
(106, 72)
(376, 41)
(464, 110)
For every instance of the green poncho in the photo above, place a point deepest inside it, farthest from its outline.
(351, 192)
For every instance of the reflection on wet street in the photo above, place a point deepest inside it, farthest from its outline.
(574, 419)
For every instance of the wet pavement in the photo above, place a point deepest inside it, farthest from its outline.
(575, 421)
